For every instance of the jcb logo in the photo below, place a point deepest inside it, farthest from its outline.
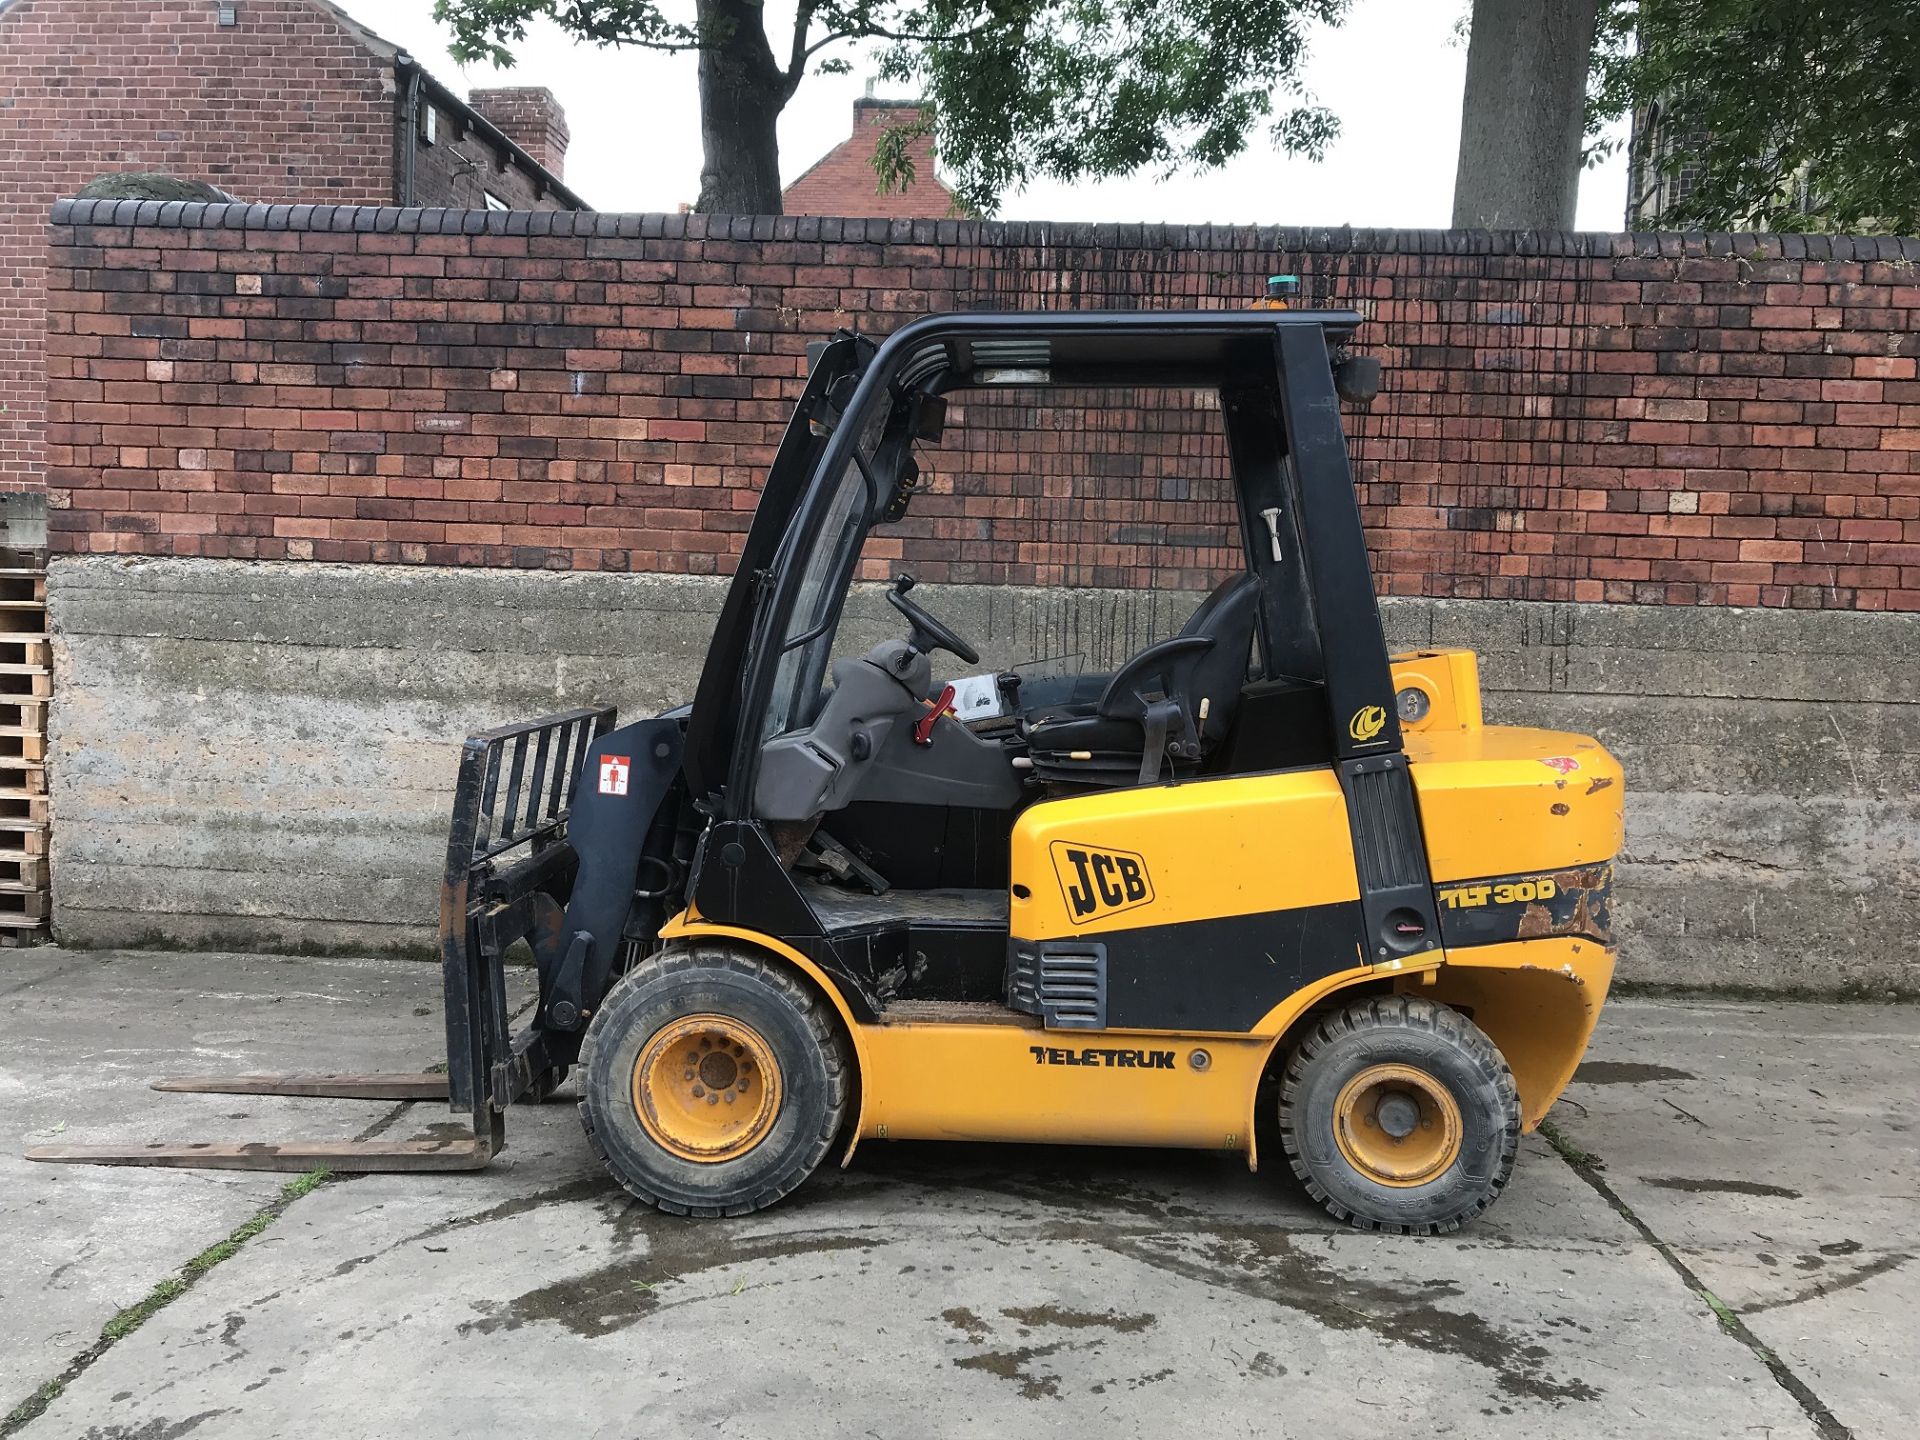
(1100, 882)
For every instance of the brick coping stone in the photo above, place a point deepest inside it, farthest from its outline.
(389, 220)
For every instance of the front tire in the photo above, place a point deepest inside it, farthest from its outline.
(1400, 1114)
(712, 1082)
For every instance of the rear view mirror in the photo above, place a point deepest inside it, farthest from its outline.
(1357, 379)
(930, 418)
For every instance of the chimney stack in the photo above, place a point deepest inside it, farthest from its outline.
(531, 118)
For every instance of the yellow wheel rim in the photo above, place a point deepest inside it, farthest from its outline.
(706, 1088)
(1397, 1125)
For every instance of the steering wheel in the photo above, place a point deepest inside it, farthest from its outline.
(928, 633)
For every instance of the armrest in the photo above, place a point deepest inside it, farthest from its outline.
(1123, 693)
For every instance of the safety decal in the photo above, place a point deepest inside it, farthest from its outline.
(614, 770)
(1565, 764)
(1367, 722)
(1097, 882)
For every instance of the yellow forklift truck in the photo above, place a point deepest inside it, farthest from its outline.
(817, 905)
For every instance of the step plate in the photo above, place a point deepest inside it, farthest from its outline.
(955, 1012)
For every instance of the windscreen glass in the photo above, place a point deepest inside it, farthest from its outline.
(810, 627)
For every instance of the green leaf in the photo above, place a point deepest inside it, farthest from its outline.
(1782, 114)
(1015, 90)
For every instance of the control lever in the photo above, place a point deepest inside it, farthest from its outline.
(1272, 516)
(923, 727)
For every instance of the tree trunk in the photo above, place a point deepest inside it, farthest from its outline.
(742, 92)
(1523, 115)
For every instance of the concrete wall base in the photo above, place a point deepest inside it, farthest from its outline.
(263, 754)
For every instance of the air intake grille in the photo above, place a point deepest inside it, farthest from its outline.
(1064, 982)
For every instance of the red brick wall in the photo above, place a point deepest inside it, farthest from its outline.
(287, 105)
(1649, 419)
(844, 182)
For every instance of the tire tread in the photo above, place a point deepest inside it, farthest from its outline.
(1414, 1013)
(779, 981)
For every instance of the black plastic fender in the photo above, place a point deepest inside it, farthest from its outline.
(625, 776)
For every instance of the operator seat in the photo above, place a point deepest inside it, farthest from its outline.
(1174, 701)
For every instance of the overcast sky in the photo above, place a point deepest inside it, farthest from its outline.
(1393, 74)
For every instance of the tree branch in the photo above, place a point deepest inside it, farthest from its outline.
(665, 47)
(667, 38)
(880, 32)
(797, 63)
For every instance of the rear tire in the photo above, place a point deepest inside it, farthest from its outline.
(1400, 1114)
(652, 1085)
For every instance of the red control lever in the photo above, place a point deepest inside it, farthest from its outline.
(923, 727)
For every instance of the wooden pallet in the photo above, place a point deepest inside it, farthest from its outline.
(26, 685)
(23, 837)
(30, 777)
(25, 713)
(19, 868)
(22, 904)
(22, 806)
(21, 744)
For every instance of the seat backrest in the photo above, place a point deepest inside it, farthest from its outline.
(1203, 618)
(1207, 660)
(1226, 616)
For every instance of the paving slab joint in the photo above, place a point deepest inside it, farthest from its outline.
(188, 1275)
(163, 1294)
(1588, 1167)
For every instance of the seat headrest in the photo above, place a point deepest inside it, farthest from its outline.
(1218, 598)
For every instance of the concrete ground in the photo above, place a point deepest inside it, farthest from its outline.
(1752, 1158)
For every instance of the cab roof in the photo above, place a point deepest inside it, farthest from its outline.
(1198, 348)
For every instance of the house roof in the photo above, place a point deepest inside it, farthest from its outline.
(404, 63)
(446, 99)
(449, 101)
(843, 181)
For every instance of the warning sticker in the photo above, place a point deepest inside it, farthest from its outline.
(613, 774)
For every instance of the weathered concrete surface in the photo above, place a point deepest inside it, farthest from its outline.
(1776, 1149)
(81, 1034)
(264, 753)
(998, 1290)
(1773, 760)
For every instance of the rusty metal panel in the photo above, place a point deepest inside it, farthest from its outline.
(1536, 906)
